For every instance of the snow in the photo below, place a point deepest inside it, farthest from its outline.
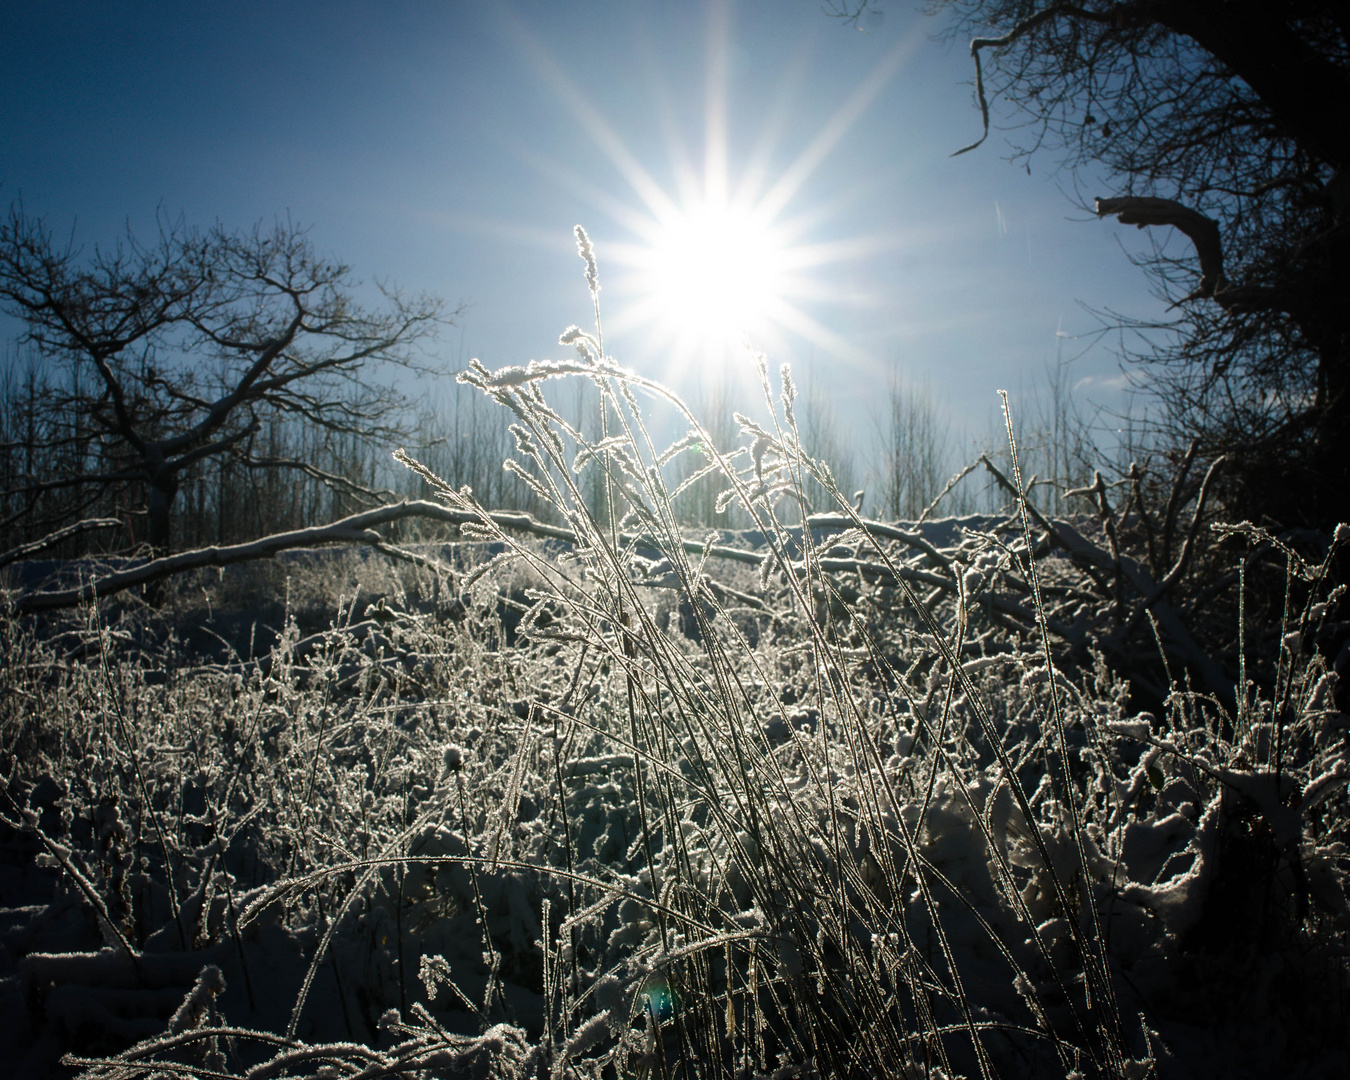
(408, 821)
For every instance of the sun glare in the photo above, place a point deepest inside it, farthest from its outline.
(713, 273)
(714, 261)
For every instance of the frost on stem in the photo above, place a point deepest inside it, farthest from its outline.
(587, 252)
(587, 347)
(199, 1003)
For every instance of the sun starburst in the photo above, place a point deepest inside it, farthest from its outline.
(710, 273)
(716, 261)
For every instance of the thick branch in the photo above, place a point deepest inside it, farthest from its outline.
(1144, 211)
(225, 442)
(356, 529)
(1203, 232)
(359, 529)
(220, 410)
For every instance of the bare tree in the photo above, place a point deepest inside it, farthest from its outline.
(184, 349)
(1225, 122)
(912, 453)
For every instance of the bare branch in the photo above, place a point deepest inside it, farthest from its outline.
(24, 551)
(1145, 211)
(377, 496)
(1022, 28)
(195, 343)
(356, 529)
(1090, 556)
(1203, 232)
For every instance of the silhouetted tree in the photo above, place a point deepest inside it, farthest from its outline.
(1227, 120)
(167, 354)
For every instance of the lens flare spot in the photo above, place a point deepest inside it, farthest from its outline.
(660, 1001)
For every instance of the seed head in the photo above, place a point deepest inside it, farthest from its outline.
(588, 254)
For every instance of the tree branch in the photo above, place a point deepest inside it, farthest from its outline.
(206, 450)
(23, 551)
(356, 529)
(378, 496)
(1028, 24)
(1144, 211)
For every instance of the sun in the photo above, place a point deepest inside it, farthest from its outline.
(717, 257)
(713, 274)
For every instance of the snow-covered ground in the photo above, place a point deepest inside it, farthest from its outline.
(486, 828)
(972, 799)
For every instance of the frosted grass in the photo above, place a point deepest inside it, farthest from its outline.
(864, 804)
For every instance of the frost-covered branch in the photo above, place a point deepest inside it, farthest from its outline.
(24, 551)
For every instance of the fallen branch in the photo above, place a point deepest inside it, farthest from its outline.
(359, 529)
(1091, 557)
(23, 551)
(356, 529)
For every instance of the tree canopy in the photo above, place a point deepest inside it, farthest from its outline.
(1226, 120)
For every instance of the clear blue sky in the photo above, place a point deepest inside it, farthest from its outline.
(450, 147)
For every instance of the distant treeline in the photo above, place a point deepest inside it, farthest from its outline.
(57, 468)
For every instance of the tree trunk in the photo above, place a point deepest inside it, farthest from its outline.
(163, 490)
(1331, 463)
(1307, 93)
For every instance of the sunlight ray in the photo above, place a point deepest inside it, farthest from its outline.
(773, 126)
(791, 317)
(809, 256)
(715, 107)
(623, 213)
(513, 231)
(839, 124)
(638, 178)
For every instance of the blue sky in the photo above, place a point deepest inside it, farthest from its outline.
(451, 147)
